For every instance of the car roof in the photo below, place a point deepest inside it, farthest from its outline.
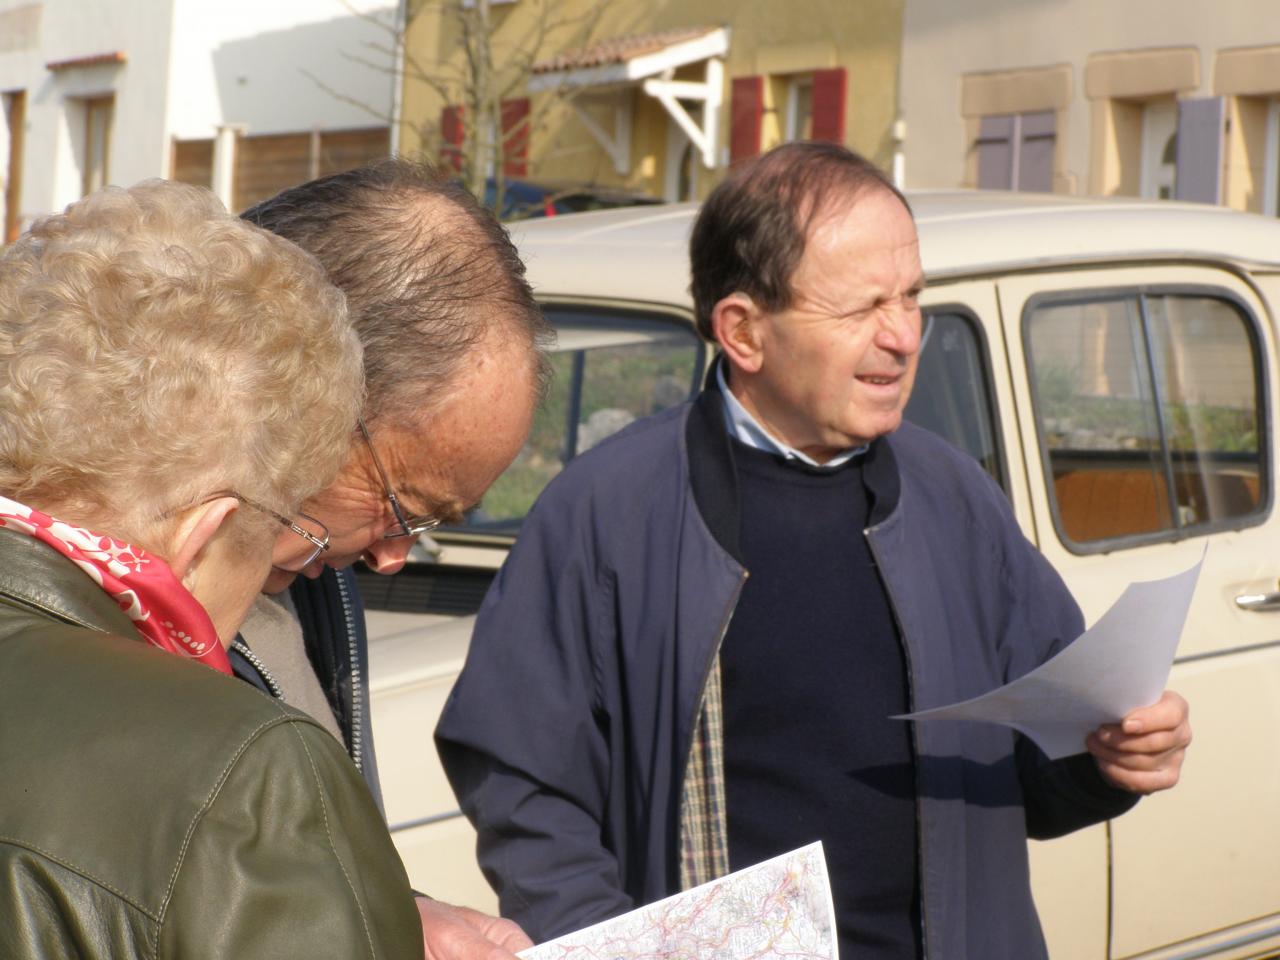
(640, 253)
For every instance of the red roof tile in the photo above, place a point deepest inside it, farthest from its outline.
(93, 60)
(619, 49)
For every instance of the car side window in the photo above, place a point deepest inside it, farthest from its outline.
(1148, 411)
(609, 369)
(952, 394)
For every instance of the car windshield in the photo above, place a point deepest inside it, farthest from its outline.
(609, 369)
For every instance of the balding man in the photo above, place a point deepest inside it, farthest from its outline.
(454, 353)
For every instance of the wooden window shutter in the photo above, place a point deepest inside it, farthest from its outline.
(268, 163)
(746, 117)
(829, 88)
(1037, 134)
(343, 149)
(452, 133)
(515, 137)
(1201, 126)
(193, 162)
(994, 147)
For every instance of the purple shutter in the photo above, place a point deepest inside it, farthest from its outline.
(1201, 130)
(1037, 133)
(995, 145)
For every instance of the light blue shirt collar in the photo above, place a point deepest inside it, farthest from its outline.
(742, 426)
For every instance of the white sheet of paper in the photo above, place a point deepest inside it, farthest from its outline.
(780, 909)
(1120, 663)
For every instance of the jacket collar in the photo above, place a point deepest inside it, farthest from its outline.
(713, 476)
(39, 579)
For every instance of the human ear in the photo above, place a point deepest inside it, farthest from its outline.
(735, 323)
(197, 526)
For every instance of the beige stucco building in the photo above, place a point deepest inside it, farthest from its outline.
(1143, 98)
(663, 95)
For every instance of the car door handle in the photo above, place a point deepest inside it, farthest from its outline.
(1258, 602)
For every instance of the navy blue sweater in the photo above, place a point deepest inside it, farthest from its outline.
(812, 670)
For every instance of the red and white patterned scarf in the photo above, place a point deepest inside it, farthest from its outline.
(161, 608)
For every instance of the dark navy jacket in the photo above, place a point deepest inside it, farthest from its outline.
(566, 735)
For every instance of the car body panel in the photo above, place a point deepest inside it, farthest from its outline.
(1188, 873)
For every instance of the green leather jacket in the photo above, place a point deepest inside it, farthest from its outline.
(152, 807)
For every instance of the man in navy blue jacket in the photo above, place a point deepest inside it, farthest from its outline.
(707, 621)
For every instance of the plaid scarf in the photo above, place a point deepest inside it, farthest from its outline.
(704, 825)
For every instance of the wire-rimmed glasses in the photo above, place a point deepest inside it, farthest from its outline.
(307, 527)
(405, 526)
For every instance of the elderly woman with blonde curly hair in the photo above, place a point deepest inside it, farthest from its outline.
(173, 383)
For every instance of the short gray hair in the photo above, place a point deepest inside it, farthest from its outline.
(429, 274)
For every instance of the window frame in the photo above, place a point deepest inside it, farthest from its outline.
(1153, 169)
(1257, 343)
(791, 125)
(971, 319)
(99, 115)
(1271, 164)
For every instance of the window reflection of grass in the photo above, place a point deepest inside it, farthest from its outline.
(637, 378)
(633, 378)
(514, 492)
(1070, 419)
(1205, 427)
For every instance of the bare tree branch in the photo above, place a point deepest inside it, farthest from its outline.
(478, 77)
(383, 115)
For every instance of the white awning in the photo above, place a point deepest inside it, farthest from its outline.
(647, 61)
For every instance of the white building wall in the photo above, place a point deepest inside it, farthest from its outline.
(20, 63)
(943, 40)
(190, 67)
(53, 154)
(252, 63)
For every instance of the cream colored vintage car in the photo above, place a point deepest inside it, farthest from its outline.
(1114, 366)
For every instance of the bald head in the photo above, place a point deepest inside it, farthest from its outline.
(429, 276)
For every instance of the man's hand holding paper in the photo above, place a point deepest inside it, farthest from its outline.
(1144, 752)
(1070, 703)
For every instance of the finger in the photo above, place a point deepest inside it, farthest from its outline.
(508, 935)
(1137, 772)
(1167, 713)
(1139, 781)
(1159, 742)
(505, 933)
(453, 933)
(1137, 762)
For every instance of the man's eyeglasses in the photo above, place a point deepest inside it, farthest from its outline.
(308, 528)
(405, 526)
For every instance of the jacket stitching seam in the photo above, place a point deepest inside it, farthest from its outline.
(26, 845)
(219, 783)
(324, 813)
(35, 606)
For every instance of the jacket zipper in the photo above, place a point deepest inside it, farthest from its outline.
(357, 704)
(257, 664)
(915, 742)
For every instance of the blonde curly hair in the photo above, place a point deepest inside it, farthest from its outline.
(155, 350)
